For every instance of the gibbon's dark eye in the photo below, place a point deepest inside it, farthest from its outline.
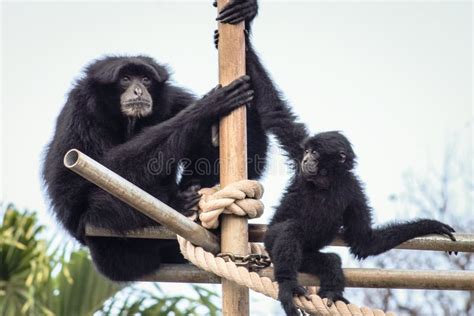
(146, 81)
(342, 157)
(306, 151)
(314, 152)
(125, 80)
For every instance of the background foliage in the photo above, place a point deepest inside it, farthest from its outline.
(37, 280)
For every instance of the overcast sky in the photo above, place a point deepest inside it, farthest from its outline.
(395, 77)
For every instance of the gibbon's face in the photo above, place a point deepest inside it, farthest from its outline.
(135, 100)
(130, 86)
(325, 155)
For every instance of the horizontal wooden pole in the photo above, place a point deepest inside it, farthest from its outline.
(464, 243)
(182, 273)
(140, 200)
(355, 277)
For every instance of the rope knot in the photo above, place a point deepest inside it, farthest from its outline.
(240, 198)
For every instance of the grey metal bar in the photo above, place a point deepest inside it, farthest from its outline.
(140, 200)
(464, 242)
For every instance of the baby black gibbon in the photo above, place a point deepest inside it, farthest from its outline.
(324, 196)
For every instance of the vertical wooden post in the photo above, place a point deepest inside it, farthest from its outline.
(233, 160)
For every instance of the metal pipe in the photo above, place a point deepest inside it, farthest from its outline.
(464, 242)
(140, 200)
(355, 277)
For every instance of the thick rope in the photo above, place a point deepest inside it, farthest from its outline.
(239, 198)
(240, 275)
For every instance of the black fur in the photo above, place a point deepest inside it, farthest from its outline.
(175, 132)
(202, 165)
(92, 122)
(315, 207)
(267, 114)
(318, 203)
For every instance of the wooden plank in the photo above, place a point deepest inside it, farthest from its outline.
(355, 277)
(233, 159)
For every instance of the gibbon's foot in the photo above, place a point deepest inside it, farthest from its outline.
(301, 291)
(237, 11)
(332, 297)
(287, 291)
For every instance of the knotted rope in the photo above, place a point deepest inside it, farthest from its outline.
(240, 275)
(241, 198)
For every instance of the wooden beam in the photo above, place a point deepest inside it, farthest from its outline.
(355, 277)
(140, 200)
(181, 273)
(233, 159)
(464, 241)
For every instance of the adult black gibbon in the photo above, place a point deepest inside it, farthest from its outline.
(124, 113)
(324, 197)
(127, 115)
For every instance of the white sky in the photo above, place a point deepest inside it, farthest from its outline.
(395, 77)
